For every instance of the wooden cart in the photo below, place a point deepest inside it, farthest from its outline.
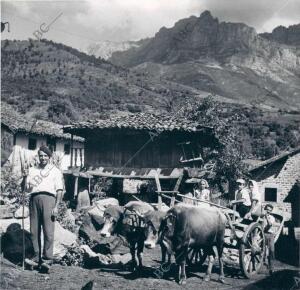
(248, 245)
(250, 242)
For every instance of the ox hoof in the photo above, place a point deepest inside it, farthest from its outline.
(222, 279)
(182, 282)
(206, 278)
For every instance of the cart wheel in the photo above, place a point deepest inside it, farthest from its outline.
(252, 249)
(196, 257)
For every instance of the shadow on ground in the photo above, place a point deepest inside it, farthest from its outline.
(284, 279)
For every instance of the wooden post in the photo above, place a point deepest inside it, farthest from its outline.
(71, 151)
(173, 198)
(234, 209)
(159, 191)
(80, 155)
(175, 190)
(76, 153)
(76, 186)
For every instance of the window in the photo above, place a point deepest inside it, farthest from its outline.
(32, 144)
(270, 194)
(51, 143)
(67, 149)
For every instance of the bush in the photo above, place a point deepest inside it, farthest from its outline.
(11, 186)
(75, 256)
(64, 219)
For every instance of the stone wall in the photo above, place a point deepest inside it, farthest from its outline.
(281, 175)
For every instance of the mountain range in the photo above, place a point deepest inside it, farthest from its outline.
(230, 60)
(257, 75)
(198, 56)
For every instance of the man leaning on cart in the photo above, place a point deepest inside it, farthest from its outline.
(269, 222)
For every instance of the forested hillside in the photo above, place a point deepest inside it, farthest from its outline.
(51, 81)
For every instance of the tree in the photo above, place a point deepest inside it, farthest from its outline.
(61, 110)
(228, 155)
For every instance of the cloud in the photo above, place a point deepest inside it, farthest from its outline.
(258, 14)
(84, 22)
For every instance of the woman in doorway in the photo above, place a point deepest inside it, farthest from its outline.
(201, 190)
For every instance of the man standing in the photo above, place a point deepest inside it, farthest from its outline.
(269, 222)
(45, 185)
(242, 198)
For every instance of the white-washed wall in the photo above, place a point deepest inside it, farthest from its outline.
(22, 140)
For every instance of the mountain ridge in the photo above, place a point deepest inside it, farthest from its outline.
(258, 68)
(53, 81)
(286, 35)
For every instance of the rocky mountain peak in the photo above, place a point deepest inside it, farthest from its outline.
(206, 16)
(190, 39)
(285, 35)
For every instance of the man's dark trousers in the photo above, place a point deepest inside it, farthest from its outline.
(41, 206)
(271, 245)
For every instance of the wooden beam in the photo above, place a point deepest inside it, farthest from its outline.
(178, 182)
(72, 150)
(166, 191)
(107, 174)
(176, 190)
(80, 155)
(203, 201)
(76, 186)
(76, 157)
(157, 181)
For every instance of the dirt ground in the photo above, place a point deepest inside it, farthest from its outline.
(63, 277)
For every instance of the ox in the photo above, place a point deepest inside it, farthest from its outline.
(190, 226)
(127, 222)
(152, 222)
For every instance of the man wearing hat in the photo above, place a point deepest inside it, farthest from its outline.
(242, 198)
(44, 183)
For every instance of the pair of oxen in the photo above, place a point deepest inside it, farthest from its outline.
(176, 231)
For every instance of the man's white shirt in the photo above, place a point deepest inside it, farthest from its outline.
(48, 179)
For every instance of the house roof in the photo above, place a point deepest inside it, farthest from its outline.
(275, 159)
(18, 123)
(140, 121)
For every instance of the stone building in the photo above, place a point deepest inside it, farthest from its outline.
(276, 177)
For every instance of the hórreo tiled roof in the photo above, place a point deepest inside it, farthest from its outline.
(140, 121)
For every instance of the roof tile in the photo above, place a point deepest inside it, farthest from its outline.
(140, 121)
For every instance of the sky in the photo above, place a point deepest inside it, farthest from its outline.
(79, 23)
